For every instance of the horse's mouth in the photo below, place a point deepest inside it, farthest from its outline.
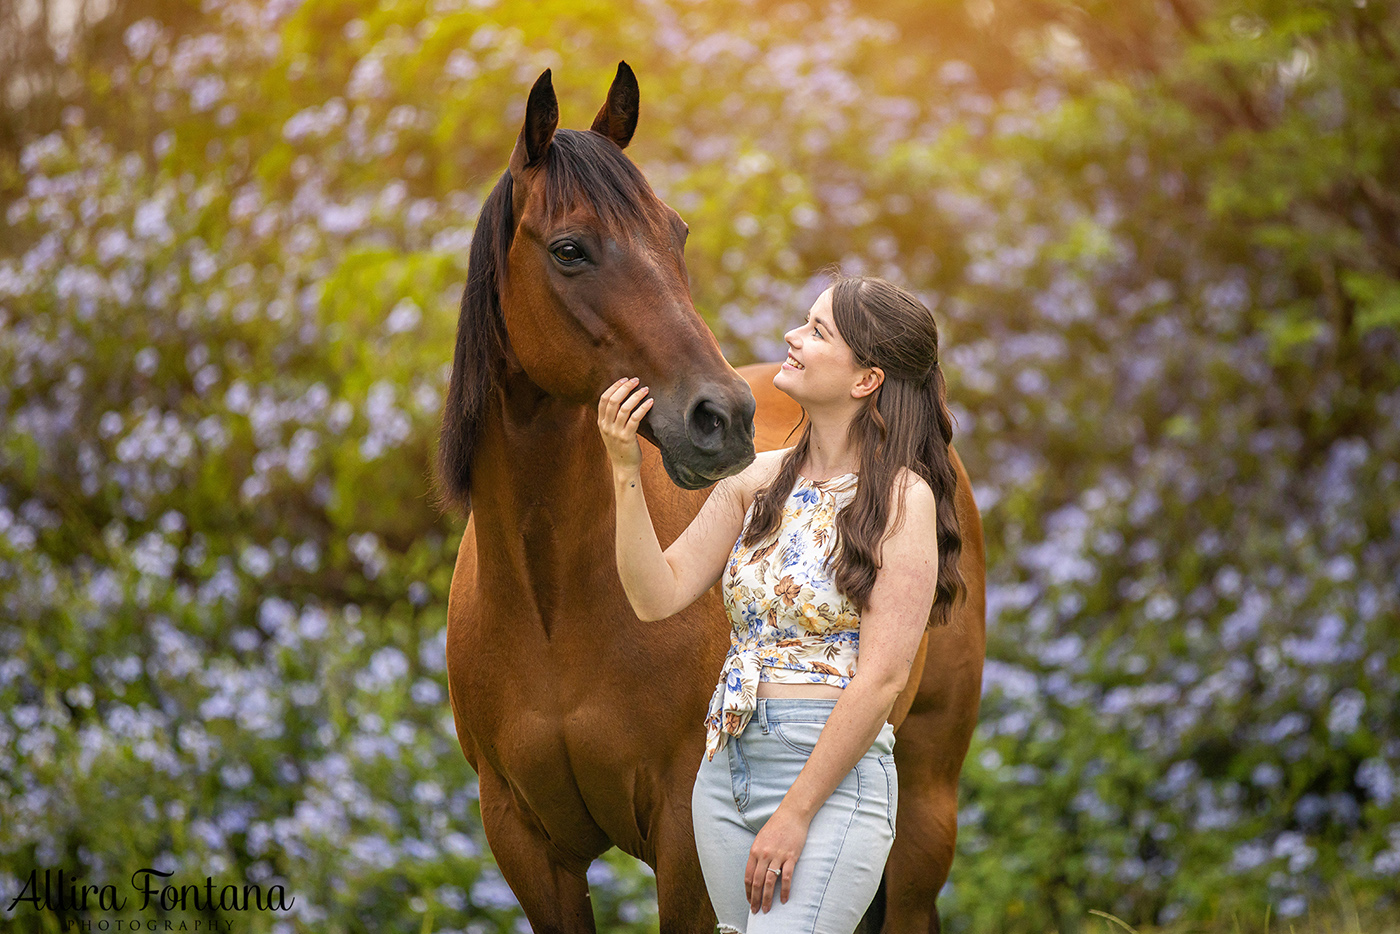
(688, 479)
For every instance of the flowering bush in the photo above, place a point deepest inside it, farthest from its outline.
(228, 282)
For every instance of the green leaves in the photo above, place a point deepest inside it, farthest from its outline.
(1377, 300)
(1292, 329)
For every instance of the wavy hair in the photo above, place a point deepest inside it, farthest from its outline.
(903, 423)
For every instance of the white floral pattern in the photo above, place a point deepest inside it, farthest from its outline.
(791, 624)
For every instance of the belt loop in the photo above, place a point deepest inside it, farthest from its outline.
(763, 715)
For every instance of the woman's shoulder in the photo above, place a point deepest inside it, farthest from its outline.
(757, 475)
(913, 500)
(909, 483)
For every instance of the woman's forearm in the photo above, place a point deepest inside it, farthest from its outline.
(647, 577)
(856, 720)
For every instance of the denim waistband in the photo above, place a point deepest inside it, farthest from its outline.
(793, 710)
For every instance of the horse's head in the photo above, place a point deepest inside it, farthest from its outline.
(577, 271)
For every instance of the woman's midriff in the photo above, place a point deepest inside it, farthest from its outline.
(780, 689)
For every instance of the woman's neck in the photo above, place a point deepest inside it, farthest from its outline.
(828, 452)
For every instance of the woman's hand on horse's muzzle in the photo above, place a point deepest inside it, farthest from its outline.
(619, 414)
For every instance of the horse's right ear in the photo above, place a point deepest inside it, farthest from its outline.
(541, 120)
(617, 118)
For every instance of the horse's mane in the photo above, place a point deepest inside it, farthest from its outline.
(579, 167)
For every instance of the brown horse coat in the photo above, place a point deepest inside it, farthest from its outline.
(584, 724)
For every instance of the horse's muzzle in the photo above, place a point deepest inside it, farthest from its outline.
(711, 440)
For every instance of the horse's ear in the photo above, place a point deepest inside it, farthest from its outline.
(617, 119)
(541, 120)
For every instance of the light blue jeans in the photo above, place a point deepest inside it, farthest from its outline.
(848, 841)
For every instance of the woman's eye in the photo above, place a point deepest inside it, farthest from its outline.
(568, 253)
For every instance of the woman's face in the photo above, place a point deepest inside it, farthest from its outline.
(820, 367)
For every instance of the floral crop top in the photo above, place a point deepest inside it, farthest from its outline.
(791, 624)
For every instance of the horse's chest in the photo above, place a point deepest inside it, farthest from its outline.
(515, 688)
(544, 666)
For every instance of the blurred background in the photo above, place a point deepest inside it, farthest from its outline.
(1162, 239)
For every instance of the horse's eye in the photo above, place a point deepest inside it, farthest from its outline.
(568, 253)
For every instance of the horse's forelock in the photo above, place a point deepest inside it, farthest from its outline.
(585, 167)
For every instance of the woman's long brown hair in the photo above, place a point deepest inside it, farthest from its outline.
(904, 423)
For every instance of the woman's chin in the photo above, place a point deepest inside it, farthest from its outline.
(784, 384)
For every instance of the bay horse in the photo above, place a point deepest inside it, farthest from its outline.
(585, 725)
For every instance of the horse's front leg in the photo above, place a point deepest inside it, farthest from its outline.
(551, 887)
(682, 902)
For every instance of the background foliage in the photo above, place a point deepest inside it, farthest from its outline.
(1164, 242)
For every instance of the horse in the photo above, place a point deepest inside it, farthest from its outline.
(584, 724)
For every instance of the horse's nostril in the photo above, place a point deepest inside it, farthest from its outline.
(707, 423)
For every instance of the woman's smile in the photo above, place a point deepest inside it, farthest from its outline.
(816, 350)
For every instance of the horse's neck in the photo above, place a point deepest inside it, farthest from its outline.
(542, 495)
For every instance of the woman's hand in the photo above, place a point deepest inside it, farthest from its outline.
(618, 417)
(776, 848)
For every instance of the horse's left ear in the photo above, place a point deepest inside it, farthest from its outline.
(617, 118)
(541, 120)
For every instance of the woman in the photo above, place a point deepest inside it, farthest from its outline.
(829, 552)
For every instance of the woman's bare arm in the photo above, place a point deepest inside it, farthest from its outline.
(659, 583)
